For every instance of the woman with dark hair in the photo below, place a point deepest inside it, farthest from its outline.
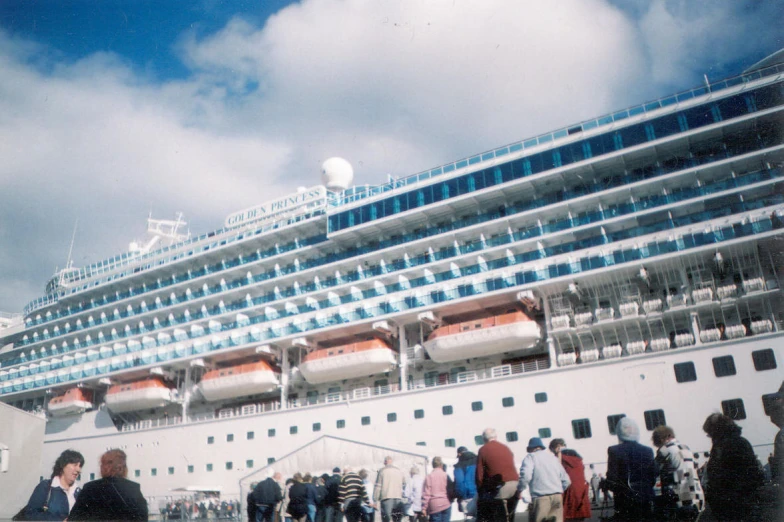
(298, 499)
(734, 475)
(112, 497)
(681, 495)
(53, 499)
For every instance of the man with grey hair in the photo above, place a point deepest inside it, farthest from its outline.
(496, 480)
(631, 473)
(388, 491)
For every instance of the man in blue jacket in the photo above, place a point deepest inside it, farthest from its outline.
(465, 477)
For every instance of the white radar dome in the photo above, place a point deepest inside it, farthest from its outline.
(337, 174)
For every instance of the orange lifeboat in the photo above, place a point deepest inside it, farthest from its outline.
(139, 395)
(506, 332)
(75, 400)
(348, 361)
(236, 381)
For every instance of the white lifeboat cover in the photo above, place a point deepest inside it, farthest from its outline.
(73, 401)
(347, 362)
(137, 396)
(236, 381)
(483, 337)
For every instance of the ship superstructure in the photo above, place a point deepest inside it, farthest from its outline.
(626, 265)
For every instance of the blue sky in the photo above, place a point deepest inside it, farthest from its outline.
(113, 109)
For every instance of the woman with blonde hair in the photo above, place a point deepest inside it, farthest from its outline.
(435, 500)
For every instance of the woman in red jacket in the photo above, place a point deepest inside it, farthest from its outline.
(577, 504)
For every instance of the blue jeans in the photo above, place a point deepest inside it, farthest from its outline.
(312, 512)
(265, 513)
(441, 516)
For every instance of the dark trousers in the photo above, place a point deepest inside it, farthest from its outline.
(265, 513)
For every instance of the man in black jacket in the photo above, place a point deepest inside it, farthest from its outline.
(332, 512)
(266, 495)
(112, 497)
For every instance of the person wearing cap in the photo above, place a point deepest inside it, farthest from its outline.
(631, 473)
(496, 480)
(545, 477)
(465, 477)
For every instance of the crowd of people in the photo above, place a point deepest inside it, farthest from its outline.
(487, 486)
(208, 507)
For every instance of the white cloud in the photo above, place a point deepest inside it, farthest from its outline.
(393, 86)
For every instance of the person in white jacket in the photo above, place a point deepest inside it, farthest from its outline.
(413, 495)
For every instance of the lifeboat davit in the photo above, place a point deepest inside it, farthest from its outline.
(236, 381)
(140, 395)
(75, 400)
(481, 337)
(348, 361)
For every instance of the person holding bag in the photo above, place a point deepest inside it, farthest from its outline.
(53, 499)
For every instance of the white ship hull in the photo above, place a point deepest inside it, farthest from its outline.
(590, 391)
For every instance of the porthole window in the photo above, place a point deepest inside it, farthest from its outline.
(734, 409)
(581, 428)
(685, 372)
(654, 418)
(764, 360)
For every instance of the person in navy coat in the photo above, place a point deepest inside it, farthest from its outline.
(631, 473)
(112, 497)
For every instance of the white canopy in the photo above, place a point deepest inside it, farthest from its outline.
(327, 452)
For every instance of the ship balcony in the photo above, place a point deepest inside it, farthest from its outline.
(509, 211)
(755, 224)
(383, 269)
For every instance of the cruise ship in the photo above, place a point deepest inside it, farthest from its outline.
(628, 265)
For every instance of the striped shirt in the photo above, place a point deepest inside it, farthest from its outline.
(351, 486)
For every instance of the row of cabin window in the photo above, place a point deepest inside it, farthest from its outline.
(724, 366)
(191, 468)
(507, 402)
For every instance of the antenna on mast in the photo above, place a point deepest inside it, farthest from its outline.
(69, 261)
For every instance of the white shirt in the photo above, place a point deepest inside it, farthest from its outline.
(68, 492)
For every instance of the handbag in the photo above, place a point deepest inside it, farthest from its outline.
(22, 515)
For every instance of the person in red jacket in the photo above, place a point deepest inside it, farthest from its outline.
(577, 504)
(496, 480)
